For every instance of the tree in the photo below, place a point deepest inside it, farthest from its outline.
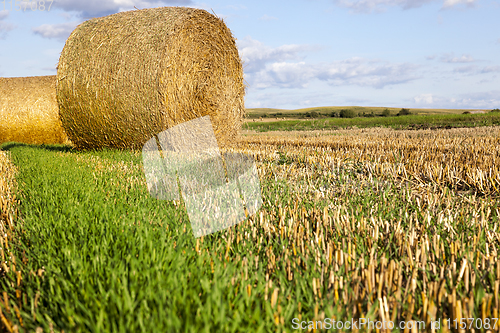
(348, 113)
(386, 113)
(312, 114)
(404, 112)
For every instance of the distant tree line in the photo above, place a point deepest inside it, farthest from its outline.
(348, 113)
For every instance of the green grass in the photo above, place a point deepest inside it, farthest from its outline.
(396, 122)
(115, 259)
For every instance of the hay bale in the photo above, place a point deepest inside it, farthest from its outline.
(29, 112)
(125, 77)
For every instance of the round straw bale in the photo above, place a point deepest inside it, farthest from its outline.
(29, 112)
(125, 77)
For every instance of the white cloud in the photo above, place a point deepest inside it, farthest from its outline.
(465, 69)
(289, 99)
(473, 70)
(451, 3)
(423, 99)
(4, 14)
(283, 75)
(59, 31)
(430, 100)
(4, 26)
(94, 8)
(267, 67)
(266, 17)
(481, 100)
(449, 58)
(378, 6)
(204, 6)
(256, 55)
(490, 69)
(358, 71)
(67, 16)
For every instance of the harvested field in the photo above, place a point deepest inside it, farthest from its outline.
(388, 225)
(7, 196)
(378, 132)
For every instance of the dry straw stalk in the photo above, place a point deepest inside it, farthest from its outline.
(125, 77)
(418, 261)
(28, 110)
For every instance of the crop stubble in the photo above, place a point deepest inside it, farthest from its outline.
(392, 225)
(436, 260)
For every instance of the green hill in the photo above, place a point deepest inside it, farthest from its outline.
(326, 111)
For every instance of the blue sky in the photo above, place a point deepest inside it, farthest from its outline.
(305, 53)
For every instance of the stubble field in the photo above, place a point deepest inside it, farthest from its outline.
(390, 225)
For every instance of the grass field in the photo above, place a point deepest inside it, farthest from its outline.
(394, 225)
(401, 122)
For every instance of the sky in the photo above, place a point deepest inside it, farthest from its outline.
(309, 53)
